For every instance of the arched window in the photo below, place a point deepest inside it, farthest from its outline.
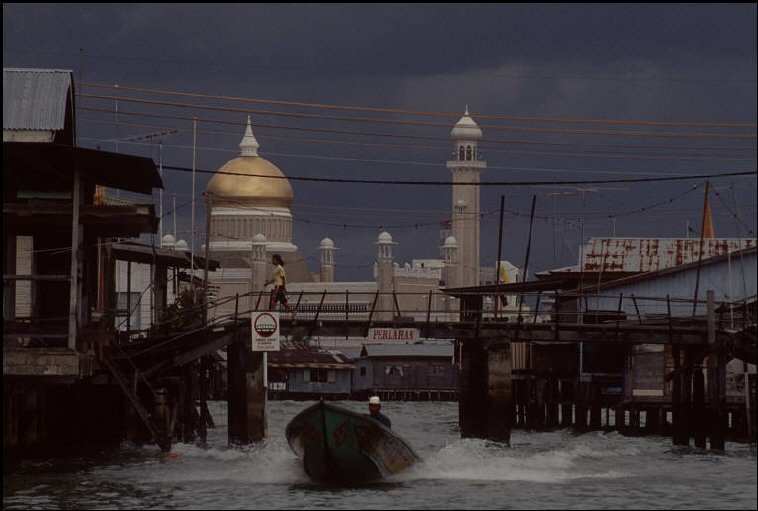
(461, 153)
(468, 152)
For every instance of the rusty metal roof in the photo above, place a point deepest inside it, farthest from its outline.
(35, 99)
(706, 261)
(300, 355)
(653, 254)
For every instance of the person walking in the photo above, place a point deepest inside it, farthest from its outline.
(279, 291)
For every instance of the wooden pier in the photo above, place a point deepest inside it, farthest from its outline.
(165, 378)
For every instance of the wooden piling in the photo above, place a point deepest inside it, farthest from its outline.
(698, 407)
(552, 403)
(567, 393)
(680, 435)
(716, 381)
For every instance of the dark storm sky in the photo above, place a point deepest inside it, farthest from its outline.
(680, 63)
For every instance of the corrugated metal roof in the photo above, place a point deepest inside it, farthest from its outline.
(35, 99)
(294, 354)
(733, 256)
(408, 350)
(653, 254)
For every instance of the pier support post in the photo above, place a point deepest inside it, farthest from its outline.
(246, 394)
(596, 411)
(680, 399)
(552, 400)
(716, 382)
(500, 414)
(486, 408)
(566, 390)
(580, 421)
(160, 411)
(698, 407)
(473, 390)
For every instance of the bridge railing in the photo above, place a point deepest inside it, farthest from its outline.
(537, 307)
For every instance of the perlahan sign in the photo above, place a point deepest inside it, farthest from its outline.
(265, 328)
(393, 334)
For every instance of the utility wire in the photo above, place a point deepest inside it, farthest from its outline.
(484, 184)
(417, 112)
(382, 121)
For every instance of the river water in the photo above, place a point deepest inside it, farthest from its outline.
(554, 470)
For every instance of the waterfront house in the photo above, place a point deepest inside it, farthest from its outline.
(299, 371)
(677, 294)
(56, 267)
(406, 371)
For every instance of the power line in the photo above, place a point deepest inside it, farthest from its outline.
(450, 183)
(420, 113)
(385, 144)
(499, 128)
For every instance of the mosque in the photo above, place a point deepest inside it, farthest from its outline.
(249, 200)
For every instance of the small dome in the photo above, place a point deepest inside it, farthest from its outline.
(466, 129)
(182, 245)
(385, 237)
(327, 243)
(450, 241)
(168, 240)
(259, 238)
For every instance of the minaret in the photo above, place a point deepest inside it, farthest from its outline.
(450, 256)
(466, 167)
(326, 271)
(384, 277)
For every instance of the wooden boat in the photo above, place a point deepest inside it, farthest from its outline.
(341, 446)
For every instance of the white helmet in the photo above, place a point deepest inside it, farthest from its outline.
(374, 400)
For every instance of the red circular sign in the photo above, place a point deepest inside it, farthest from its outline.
(265, 325)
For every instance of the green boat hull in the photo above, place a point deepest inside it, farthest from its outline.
(341, 446)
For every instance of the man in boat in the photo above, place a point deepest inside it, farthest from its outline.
(374, 405)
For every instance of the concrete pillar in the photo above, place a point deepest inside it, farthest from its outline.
(246, 394)
(500, 413)
(472, 402)
(486, 405)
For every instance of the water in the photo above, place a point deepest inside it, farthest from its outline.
(556, 470)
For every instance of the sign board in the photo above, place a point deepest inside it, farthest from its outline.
(400, 335)
(265, 328)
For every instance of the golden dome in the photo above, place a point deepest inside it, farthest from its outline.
(250, 181)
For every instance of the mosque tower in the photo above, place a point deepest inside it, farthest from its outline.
(385, 277)
(465, 168)
(451, 270)
(326, 270)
